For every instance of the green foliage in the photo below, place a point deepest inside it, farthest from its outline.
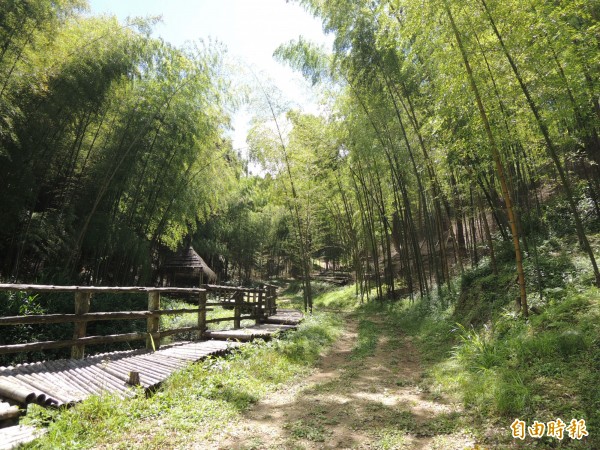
(483, 293)
(505, 368)
(477, 350)
(302, 55)
(368, 337)
(106, 128)
(337, 298)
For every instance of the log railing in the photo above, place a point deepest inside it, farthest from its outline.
(247, 303)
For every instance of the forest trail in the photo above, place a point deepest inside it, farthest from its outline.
(353, 401)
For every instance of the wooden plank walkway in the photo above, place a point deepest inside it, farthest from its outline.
(285, 317)
(69, 381)
(13, 437)
(248, 333)
(283, 320)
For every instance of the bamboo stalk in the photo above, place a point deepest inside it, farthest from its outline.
(89, 375)
(114, 372)
(93, 373)
(152, 366)
(56, 386)
(125, 367)
(12, 437)
(73, 379)
(188, 355)
(16, 392)
(164, 360)
(185, 358)
(40, 397)
(149, 366)
(46, 387)
(10, 413)
(44, 372)
(100, 357)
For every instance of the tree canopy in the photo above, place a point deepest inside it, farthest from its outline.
(449, 130)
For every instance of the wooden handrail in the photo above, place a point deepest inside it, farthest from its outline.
(91, 317)
(89, 340)
(97, 289)
(259, 301)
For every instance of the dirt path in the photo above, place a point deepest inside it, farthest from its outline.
(351, 402)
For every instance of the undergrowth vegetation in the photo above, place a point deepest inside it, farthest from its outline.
(479, 352)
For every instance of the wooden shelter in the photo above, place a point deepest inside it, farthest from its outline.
(186, 268)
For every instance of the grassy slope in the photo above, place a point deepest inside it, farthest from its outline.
(478, 352)
(501, 367)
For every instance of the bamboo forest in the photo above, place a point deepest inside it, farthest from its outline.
(411, 264)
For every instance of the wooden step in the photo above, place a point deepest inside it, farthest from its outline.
(264, 331)
(8, 413)
(285, 317)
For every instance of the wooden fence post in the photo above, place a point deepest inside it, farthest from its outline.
(273, 299)
(237, 309)
(270, 297)
(259, 305)
(201, 314)
(153, 322)
(82, 306)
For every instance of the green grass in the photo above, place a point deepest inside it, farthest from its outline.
(310, 430)
(326, 297)
(477, 351)
(368, 336)
(500, 366)
(195, 403)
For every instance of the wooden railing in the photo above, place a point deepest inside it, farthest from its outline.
(247, 303)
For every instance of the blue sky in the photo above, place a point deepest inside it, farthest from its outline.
(250, 29)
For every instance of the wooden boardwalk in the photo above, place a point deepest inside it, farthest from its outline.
(13, 437)
(285, 317)
(69, 381)
(249, 333)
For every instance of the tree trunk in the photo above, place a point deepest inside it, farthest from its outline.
(522, 299)
(550, 147)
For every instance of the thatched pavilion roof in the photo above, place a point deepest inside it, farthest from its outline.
(187, 260)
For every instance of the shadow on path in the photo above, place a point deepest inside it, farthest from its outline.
(364, 394)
